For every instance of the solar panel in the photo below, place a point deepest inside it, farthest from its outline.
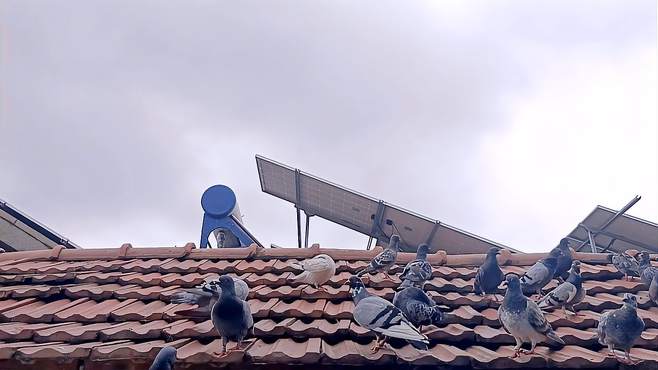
(362, 213)
(625, 232)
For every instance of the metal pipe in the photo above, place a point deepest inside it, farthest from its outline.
(308, 218)
(299, 229)
(592, 243)
(611, 220)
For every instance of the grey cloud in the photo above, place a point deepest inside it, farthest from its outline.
(120, 114)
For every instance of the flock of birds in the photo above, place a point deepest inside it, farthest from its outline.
(523, 318)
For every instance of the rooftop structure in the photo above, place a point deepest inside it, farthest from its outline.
(20, 232)
(110, 309)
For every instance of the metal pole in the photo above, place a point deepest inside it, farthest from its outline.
(612, 219)
(299, 229)
(591, 241)
(306, 232)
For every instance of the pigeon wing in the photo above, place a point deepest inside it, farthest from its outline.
(241, 288)
(380, 315)
(247, 316)
(540, 324)
(477, 286)
(385, 258)
(535, 275)
(559, 296)
(195, 296)
(315, 265)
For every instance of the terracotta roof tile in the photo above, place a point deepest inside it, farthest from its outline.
(195, 352)
(300, 308)
(112, 306)
(86, 310)
(138, 265)
(286, 351)
(348, 352)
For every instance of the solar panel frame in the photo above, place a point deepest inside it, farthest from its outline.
(363, 213)
(640, 234)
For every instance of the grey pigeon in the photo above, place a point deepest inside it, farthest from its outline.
(231, 315)
(418, 271)
(317, 270)
(620, 328)
(523, 319)
(647, 271)
(626, 264)
(384, 260)
(653, 290)
(540, 274)
(567, 294)
(417, 307)
(165, 359)
(489, 275)
(382, 317)
(563, 260)
(205, 297)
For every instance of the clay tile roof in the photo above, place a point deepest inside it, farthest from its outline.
(110, 308)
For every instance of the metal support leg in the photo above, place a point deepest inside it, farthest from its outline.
(592, 244)
(299, 229)
(308, 218)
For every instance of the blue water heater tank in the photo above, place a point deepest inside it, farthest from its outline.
(221, 216)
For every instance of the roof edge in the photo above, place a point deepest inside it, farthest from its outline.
(189, 251)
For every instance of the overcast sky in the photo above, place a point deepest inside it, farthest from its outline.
(509, 119)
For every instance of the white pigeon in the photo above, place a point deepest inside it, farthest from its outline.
(317, 270)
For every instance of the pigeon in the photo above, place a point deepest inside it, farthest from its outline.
(231, 315)
(165, 359)
(205, 296)
(489, 275)
(417, 307)
(418, 271)
(383, 261)
(563, 260)
(567, 294)
(523, 319)
(382, 317)
(647, 271)
(653, 290)
(620, 328)
(626, 264)
(317, 270)
(540, 274)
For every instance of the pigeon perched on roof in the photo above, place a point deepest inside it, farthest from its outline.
(317, 270)
(417, 307)
(165, 359)
(620, 328)
(540, 274)
(653, 290)
(418, 271)
(384, 260)
(523, 319)
(205, 296)
(563, 260)
(231, 315)
(626, 264)
(647, 271)
(382, 317)
(567, 294)
(489, 275)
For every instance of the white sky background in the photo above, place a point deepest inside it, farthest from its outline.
(509, 119)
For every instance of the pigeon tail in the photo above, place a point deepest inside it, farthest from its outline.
(555, 340)
(422, 346)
